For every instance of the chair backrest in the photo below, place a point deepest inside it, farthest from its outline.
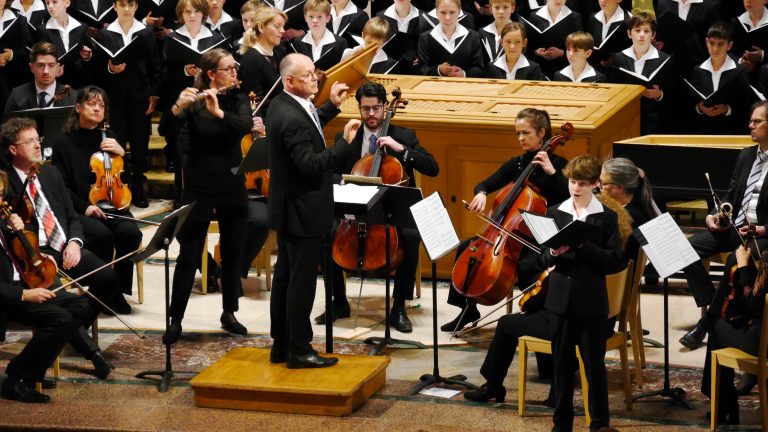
(618, 290)
(763, 353)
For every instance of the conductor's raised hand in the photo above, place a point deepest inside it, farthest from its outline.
(338, 93)
(351, 128)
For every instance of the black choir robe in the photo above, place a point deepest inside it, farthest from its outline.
(745, 36)
(77, 72)
(404, 47)
(160, 8)
(350, 25)
(543, 35)
(429, 20)
(82, 10)
(616, 37)
(230, 28)
(467, 54)
(15, 36)
(688, 49)
(492, 49)
(332, 48)
(527, 70)
(36, 16)
(295, 11)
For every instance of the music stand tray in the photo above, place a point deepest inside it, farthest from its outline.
(256, 159)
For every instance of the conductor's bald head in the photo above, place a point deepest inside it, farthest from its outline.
(298, 74)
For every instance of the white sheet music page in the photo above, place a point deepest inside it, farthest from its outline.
(542, 227)
(353, 194)
(668, 248)
(435, 226)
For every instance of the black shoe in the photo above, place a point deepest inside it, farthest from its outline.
(485, 393)
(137, 196)
(747, 383)
(101, 366)
(550, 400)
(174, 332)
(49, 383)
(694, 338)
(120, 305)
(725, 418)
(310, 361)
(472, 315)
(231, 324)
(214, 272)
(339, 311)
(18, 390)
(278, 354)
(399, 320)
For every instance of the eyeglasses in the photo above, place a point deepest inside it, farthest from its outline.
(603, 184)
(31, 141)
(94, 104)
(308, 75)
(757, 122)
(229, 69)
(372, 109)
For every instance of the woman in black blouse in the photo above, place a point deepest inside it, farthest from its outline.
(212, 123)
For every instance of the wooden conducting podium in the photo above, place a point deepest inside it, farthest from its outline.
(469, 126)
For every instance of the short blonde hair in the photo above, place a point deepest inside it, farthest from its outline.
(377, 28)
(201, 5)
(455, 2)
(251, 6)
(580, 40)
(321, 5)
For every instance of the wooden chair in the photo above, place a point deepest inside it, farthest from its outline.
(262, 261)
(737, 359)
(619, 294)
(635, 318)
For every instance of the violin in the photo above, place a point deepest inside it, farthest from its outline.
(257, 180)
(487, 269)
(533, 299)
(361, 247)
(21, 202)
(727, 312)
(37, 270)
(59, 95)
(108, 191)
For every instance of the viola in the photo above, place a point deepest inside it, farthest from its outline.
(108, 191)
(533, 299)
(487, 269)
(257, 180)
(21, 203)
(727, 311)
(361, 247)
(37, 270)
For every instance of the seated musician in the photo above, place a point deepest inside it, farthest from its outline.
(737, 325)
(402, 144)
(514, 64)
(58, 229)
(38, 93)
(533, 128)
(86, 135)
(750, 207)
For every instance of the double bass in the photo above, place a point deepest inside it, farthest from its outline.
(356, 245)
(487, 269)
(108, 191)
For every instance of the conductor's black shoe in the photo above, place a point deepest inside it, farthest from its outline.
(399, 320)
(278, 354)
(231, 324)
(747, 383)
(486, 392)
(120, 305)
(173, 334)
(18, 390)
(694, 338)
(309, 361)
(101, 366)
(471, 316)
(339, 311)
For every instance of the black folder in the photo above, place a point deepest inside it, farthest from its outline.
(72, 55)
(89, 20)
(632, 77)
(573, 234)
(130, 53)
(616, 40)
(180, 52)
(674, 32)
(723, 95)
(398, 44)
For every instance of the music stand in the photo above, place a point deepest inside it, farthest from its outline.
(50, 122)
(256, 159)
(162, 239)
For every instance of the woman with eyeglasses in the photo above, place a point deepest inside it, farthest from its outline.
(213, 119)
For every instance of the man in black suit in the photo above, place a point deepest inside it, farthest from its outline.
(43, 61)
(748, 193)
(402, 144)
(300, 207)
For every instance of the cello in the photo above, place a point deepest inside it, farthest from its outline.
(356, 245)
(487, 269)
(108, 191)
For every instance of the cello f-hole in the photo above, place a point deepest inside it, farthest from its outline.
(497, 245)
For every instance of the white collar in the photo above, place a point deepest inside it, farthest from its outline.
(594, 207)
(54, 25)
(501, 62)
(449, 44)
(7, 16)
(652, 53)
(392, 13)
(204, 32)
(588, 71)
(50, 90)
(544, 13)
(491, 28)
(617, 17)
(36, 6)
(379, 57)
(349, 9)
(225, 18)
(135, 26)
(327, 38)
(728, 65)
(744, 19)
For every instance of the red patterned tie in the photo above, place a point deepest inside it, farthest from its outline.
(44, 212)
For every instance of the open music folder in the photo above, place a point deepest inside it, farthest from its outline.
(548, 234)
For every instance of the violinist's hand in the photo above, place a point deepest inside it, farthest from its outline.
(653, 92)
(95, 212)
(258, 125)
(212, 103)
(153, 21)
(115, 69)
(542, 159)
(37, 295)
(350, 129)
(712, 223)
(71, 255)
(559, 251)
(15, 222)
(387, 141)
(191, 70)
(742, 256)
(152, 105)
(112, 146)
(759, 230)
(338, 93)
(478, 203)
(85, 53)
(48, 257)
(292, 33)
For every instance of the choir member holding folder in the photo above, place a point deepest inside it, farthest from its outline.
(14, 40)
(96, 19)
(682, 27)
(491, 34)
(750, 35)
(547, 29)
(403, 36)
(71, 41)
(608, 28)
(450, 49)
(34, 11)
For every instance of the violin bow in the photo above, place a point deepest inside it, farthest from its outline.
(266, 96)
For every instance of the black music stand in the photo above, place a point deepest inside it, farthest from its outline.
(162, 239)
(50, 123)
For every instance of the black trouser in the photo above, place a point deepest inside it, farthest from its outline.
(231, 212)
(257, 233)
(293, 291)
(405, 275)
(589, 334)
(528, 269)
(132, 126)
(54, 322)
(112, 237)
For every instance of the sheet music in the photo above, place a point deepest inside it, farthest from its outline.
(542, 227)
(435, 226)
(667, 248)
(353, 193)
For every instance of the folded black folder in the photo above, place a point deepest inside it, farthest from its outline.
(632, 77)
(95, 21)
(723, 95)
(616, 40)
(127, 54)
(180, 52)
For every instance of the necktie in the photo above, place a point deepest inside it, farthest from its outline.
(316, 117)
(44, 212)
(754, 176)
(41, 100)
(8, 252)
(373, 139)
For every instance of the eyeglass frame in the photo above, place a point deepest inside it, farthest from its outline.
(306, 76)
(757, 122)
(372, 109)
(30, 141)
(229, 69)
